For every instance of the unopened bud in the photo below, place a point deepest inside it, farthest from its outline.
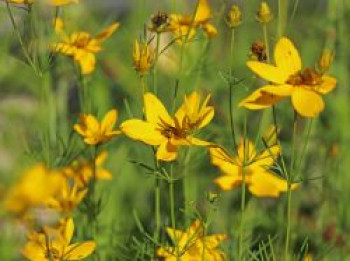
(234, 17)
(264, 14)
(325, 61)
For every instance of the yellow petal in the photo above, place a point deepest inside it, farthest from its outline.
(167, 252)
(79, 250)
(228, 182)
(167, 152)
(213, 241)
(69, 230)
(210, 30)
(174, 234)
(155, 110)
(34, 252)
(246, 151)
(203, 11)
(222, 160)
(103, 174)
(307, 102)
(86, 61)
(142, 131)
(278, 90)
(260, 100)
(327, 85)
(109, 121)
(287, 57)
(106, 33)
(268, 157)
(269, 72)
(101, 158)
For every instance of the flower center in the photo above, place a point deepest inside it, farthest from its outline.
(52, 253)
(308, 77)
(170, 131)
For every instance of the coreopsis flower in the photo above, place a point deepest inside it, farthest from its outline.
(186, 25)
(193, 245)
(160, 129)
(143, 56)
(68, 199)
(288, 79)
(260, 181)
(55, 244)
(82, 171)
(95, 132)
(81, 46)
(264, 14)
(36, 185)
(234, 17)
(51, 2)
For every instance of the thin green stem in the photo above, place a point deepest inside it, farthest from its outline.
(282, 17)
(233, 133)
(155, 71)
(288, 225)
(172, 210)
(266, 41)
(19, 38)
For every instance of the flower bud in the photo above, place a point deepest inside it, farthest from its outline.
(325, 61)
(234, 17)
(264, 14)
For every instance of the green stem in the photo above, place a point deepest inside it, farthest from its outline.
(266, 42)
(288, 226)
(282, 17)
(19, 38)
(172, 210)
(233, 134)
(155, 75)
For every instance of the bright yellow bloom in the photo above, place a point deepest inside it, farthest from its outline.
(51, 2)
(159, 129)
(35, 186)
(81, 46)
(68, 199)
(183, 25)
(95, 132)
(304, 87)
(143, 57)
(82, 171)
(58, 247)
(193, 245)
(260, 181)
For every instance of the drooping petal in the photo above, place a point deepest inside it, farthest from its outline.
(106, 33)
(79, 250)
(68, 231)
(210, 30)
(260, 100)
(142, 131)
(222, 160)
(307, 102)
(287, 57)
(155, 110)
(86, 61)
(109, 121)
(269, 72)
(228, 182)
(167, 152)
(203, 11)
(327, 85)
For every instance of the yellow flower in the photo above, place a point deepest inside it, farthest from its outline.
(36, 185)
(93, 131)
(193, 245)
(68, 199)
(52, 2)
(304, 87)
(143, 57)
(81, 46)
(259, 180)
(82, 171)
(55, 245)
(159, 129)
(184, 26)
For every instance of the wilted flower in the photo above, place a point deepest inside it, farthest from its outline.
(93, 131)
(234, 17)
(258, 51)
(304, 87)
(159, 22)
(143, 57)
(159, 129)
(193, 245)
(36, 185)
(259, 179)
(54, 244)
(264, 14)
(81, 46)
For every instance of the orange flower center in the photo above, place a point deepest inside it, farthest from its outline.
(308, 77)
